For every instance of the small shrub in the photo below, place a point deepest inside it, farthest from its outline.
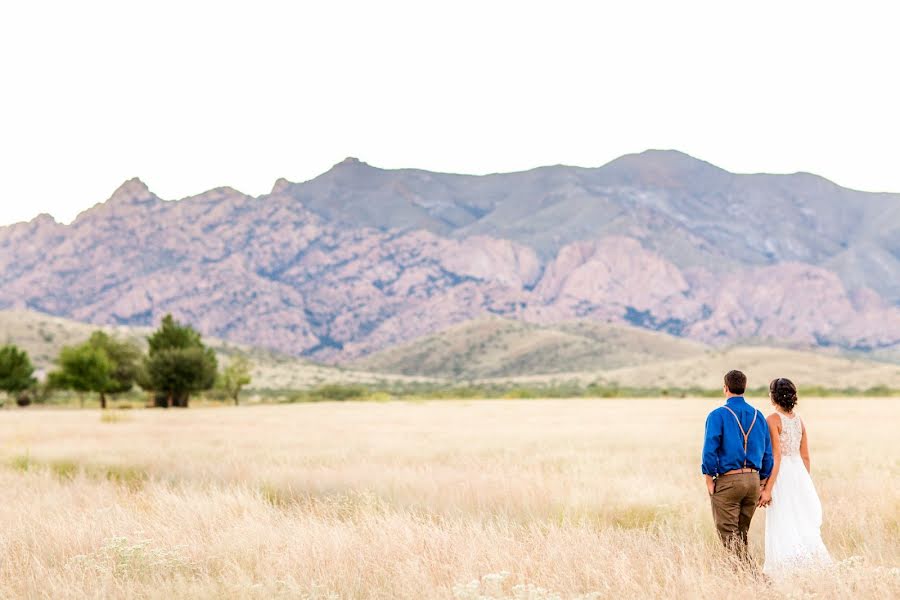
(276, 496)
(807, 391)
(520, 393)
(638, 517)
(127, 559)
(339, 393)
(129, 476)
(64, 469)
(381, 397)
(879, 390)
(22, 463)
(112, 416)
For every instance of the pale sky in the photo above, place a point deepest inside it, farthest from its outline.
(192, 95)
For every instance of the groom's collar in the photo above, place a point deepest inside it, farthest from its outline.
(736, 400)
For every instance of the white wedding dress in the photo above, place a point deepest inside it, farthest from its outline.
(794, 517)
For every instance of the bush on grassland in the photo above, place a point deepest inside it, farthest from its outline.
(879, 390)
(332, 392)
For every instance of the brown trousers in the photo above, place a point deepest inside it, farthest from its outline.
(733, 504)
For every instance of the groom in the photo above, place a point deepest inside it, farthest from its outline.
(737, 460)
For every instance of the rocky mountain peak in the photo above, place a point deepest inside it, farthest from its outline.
(43, 220)
(132, 194)
(351, 161)
(351, 166)
(662, 168)
(42, 226)
(133, 191)
(281, 184)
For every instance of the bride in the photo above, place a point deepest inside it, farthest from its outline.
(794, 512)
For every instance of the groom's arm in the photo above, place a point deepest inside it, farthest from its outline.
(711, 443)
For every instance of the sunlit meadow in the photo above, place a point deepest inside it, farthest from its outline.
(446, 499)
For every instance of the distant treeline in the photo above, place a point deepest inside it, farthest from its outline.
(176, 366)
(425, 391)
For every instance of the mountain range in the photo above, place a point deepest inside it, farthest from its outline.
(361, 259)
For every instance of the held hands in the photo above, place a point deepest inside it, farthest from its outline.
(765, 498)
(711, 485)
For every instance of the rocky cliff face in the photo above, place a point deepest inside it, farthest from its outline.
(360, 259)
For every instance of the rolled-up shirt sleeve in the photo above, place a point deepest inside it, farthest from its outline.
(711, 444)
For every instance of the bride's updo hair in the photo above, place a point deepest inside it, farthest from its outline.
(783, 393)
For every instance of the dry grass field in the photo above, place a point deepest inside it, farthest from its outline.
(452, 499)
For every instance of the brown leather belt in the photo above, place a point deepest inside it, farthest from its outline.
(738, 471)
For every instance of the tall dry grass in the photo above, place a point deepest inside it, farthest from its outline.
(483, 499)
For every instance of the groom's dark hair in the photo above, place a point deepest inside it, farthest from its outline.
(736, 382)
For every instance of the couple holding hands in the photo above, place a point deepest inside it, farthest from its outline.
(751, 461)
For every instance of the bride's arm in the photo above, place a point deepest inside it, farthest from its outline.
(774, 431)
(804, 447)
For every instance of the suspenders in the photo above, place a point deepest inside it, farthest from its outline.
(746, 434)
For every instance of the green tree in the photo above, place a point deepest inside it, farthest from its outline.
(16, 370)
(83, 368)
(177, 364)
(172, 334)
(235, 376)
(125, 357)
(102, 365)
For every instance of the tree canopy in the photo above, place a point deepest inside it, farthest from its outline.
(103, 365)
(125, 357)
(16, 370)
(82, 368)
(177, 364)
(235, 376)
(172, 334)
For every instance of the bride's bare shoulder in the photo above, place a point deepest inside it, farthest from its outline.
(774, 420)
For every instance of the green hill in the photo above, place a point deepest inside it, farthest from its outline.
(501, 351)
(762, 364)
(490, 348)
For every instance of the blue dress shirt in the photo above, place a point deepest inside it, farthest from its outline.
(723, 449)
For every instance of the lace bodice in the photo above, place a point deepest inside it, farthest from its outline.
(791, 434)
